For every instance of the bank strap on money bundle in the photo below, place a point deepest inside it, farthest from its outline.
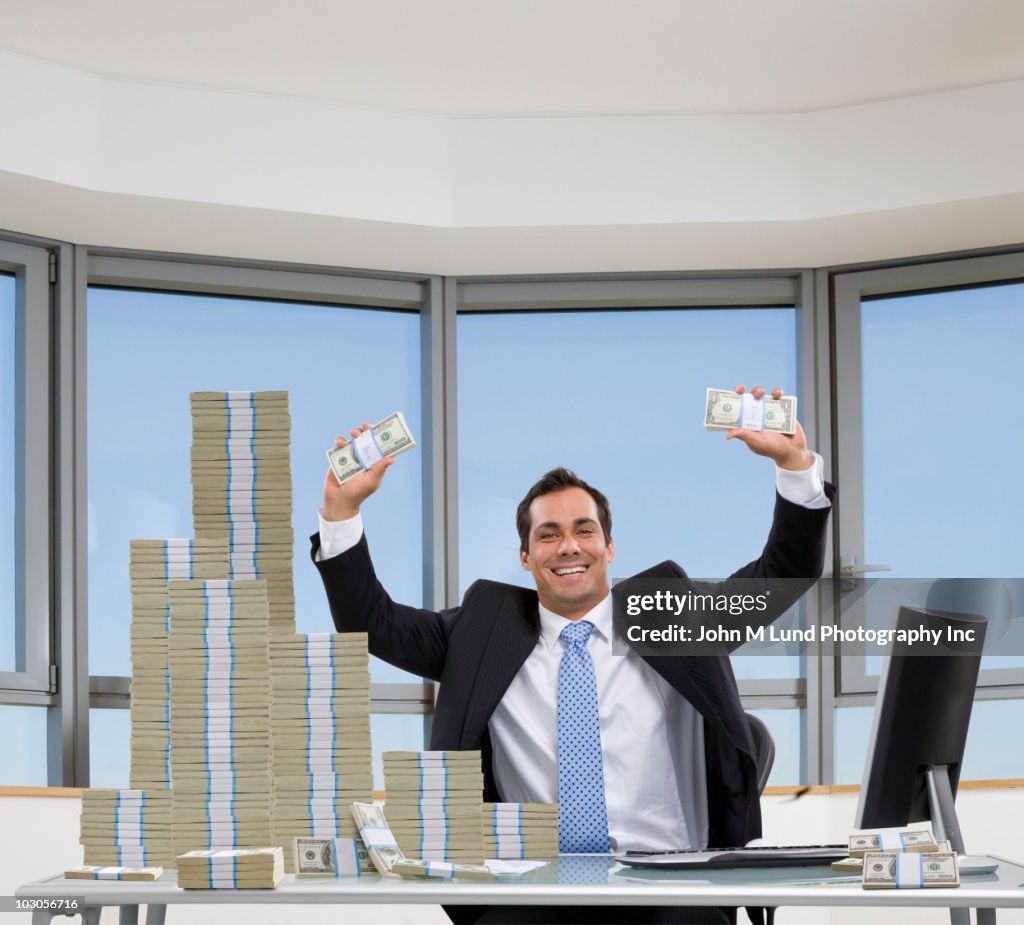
(152, 563)
(242, 488)
(114, 873)
(330, 858)
(910, 870)
(220, 713)
(434, 802)
(126, 828)
(388, 438)
(725, 409)
(320, 735)
(231, 869)
(389, 860)
(520, 830)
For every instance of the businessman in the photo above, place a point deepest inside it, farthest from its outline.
(639, 753)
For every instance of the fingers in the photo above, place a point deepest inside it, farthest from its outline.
(776, 393)
(758, 391)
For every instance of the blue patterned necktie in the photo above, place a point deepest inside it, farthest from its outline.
(582, 814)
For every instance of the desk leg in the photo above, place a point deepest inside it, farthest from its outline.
(155, 915)
(986, 916)
(129, 915)
(91, 915)
(960, 916)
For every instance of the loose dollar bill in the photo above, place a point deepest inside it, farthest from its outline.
(388, 438)
(892, 842)
(910, 871)
(725, 409)
(328, 857)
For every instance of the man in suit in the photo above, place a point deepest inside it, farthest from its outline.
(674, 763)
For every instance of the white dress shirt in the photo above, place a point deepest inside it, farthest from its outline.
(652, 739)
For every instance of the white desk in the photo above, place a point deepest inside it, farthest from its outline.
(575, 880)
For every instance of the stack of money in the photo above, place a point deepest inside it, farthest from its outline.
(520, 830)
(910, 870)
(320, 736)
(231, 869)
(442, 870)
(724, 409)
(910, 840)
(152, 563)
(435, 804)
(220, 712)
(377, 836)
(329, 857)
(387, 438)
(129, 828)
(241, 488)
(856, 864)
(114, 873)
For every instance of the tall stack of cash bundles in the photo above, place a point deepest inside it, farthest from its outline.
(242, 489)
(126, 828)
(434, 804)
(220, 713)
(152, 563)
(520, 830)
(320, 734)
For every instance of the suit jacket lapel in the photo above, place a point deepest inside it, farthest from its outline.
(514, 632)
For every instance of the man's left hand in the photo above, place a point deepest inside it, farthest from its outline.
(788, 450)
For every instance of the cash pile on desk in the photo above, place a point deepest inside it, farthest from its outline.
(220, 713)
(231, 869)
(126, 828)
(435, 804)
(319, 857)
(114, 873)
(887, 842)
(242, 488)
(920, 870)
(152, 563)
(320, 736)
(520, 830)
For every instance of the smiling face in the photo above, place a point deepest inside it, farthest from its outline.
(567, 554)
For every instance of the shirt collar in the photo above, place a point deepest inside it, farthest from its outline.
(551, 624)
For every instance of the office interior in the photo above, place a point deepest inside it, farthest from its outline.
(539, 233)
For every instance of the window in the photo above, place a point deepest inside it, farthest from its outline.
(8, 477)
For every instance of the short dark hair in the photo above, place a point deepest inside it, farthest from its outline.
(559, 480)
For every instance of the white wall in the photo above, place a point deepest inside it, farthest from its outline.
(40, 837)
(112, 162)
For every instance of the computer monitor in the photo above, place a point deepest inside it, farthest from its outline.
(920, 726)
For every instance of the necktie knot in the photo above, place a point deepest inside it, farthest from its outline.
(577, 634)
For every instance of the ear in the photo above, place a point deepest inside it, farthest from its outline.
(611, 550)
(524, 560)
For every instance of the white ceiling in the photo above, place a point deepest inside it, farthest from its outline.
(477, 57)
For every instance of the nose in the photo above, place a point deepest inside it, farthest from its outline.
(569, 546)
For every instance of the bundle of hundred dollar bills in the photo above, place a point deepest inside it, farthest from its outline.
(114, 873)
(520, 830)
(725, 409)
(387, 438)
(231, 869)
(910, 870)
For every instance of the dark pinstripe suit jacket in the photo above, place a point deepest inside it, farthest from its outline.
(476, 649)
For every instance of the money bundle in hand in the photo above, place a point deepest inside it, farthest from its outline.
(388, 438)
(152, 563)
(231, 869)
(434, 804)
(520, 830)
(377, 836)
(725, 409)
(320, 735)
(220, 712)
(912, 840)
(242, 488)
(329, 858)
(114, 873)
(415, 869)
(126, 828)
(910, 870)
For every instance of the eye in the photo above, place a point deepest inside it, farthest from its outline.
(586, 531)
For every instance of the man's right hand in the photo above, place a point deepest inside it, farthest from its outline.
(342, 502)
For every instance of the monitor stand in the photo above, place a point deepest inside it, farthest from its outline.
(946, 826)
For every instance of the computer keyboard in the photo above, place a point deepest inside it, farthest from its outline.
(760, 856)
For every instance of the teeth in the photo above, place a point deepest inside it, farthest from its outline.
(575, 570)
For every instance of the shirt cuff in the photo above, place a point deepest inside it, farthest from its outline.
(805, 487)
(338, 536)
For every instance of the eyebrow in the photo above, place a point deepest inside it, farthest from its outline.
(549, 525)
